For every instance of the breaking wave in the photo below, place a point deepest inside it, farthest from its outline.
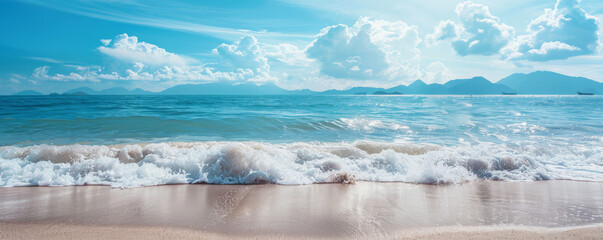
(292, 163)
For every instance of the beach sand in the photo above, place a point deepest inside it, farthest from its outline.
(482, 209)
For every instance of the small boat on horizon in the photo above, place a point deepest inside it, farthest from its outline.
(586, 93)
(509, 93)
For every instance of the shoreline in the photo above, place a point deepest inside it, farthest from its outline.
(543, 209)
(477, 181)
(74, 231)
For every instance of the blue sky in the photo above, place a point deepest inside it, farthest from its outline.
(53, 46)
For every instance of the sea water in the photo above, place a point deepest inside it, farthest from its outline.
(130, 141)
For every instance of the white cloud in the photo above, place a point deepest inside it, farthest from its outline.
(560, 33)
(244, 54)
(184, 74)
(142, 61)
(478, 33)
(129, 49)
(203, 74)
(547, 47)
(48, 60)
(16, 78)
(369, 50)
(289, 54)
(105, 42)
(436, 72)
(446, 29)
(41, 73)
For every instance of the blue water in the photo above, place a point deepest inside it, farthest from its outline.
(561, 134)
(432, 119)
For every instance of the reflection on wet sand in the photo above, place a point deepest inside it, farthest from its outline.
(359, 209)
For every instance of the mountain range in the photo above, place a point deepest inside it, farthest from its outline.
(543, 82)
(539, 82)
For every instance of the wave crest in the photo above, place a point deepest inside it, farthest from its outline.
(292, 163)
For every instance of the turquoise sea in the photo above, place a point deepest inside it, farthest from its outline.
(129, 141)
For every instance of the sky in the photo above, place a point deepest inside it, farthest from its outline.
(53, 46)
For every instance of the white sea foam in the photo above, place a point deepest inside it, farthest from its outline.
(370, 125)
(292, 163)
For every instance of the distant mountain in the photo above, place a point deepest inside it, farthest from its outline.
(540, 82)
(28, 93)
(78, 93)
(122, 91)
(420, 87)
(544, 82)
(138, 91)
(225, 88)
(355, 90)
(400, 89)
(476, 85)
(114, 91)
(86, 90)
(108, 91)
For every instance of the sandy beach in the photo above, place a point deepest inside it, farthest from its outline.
(482, 209)
(64, 231)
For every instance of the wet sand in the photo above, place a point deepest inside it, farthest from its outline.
(547, 209)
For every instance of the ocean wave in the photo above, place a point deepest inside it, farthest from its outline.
(370, 125)
(292, 163)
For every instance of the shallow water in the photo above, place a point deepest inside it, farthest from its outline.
(362, 210)
(298, 139)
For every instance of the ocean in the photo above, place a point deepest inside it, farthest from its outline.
(132, 141)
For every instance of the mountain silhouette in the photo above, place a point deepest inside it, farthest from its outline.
(225, 88)
(476, 85)
(545, 82)
(539, 82)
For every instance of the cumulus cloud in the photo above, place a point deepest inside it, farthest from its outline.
(41, 73)
(288, 54)
(245, 54)
(436, 72)
(142, 61)
(186, 74)
(478, 32)
(559, 33)
(129, 49)
(201, 74)
(446, 29)
(370, 49)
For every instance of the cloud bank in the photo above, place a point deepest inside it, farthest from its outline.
(559, 33)
(478, 32)
(129, 49)
(368, 50)
(143, 61)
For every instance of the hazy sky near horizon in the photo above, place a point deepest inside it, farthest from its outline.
(53, 46)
